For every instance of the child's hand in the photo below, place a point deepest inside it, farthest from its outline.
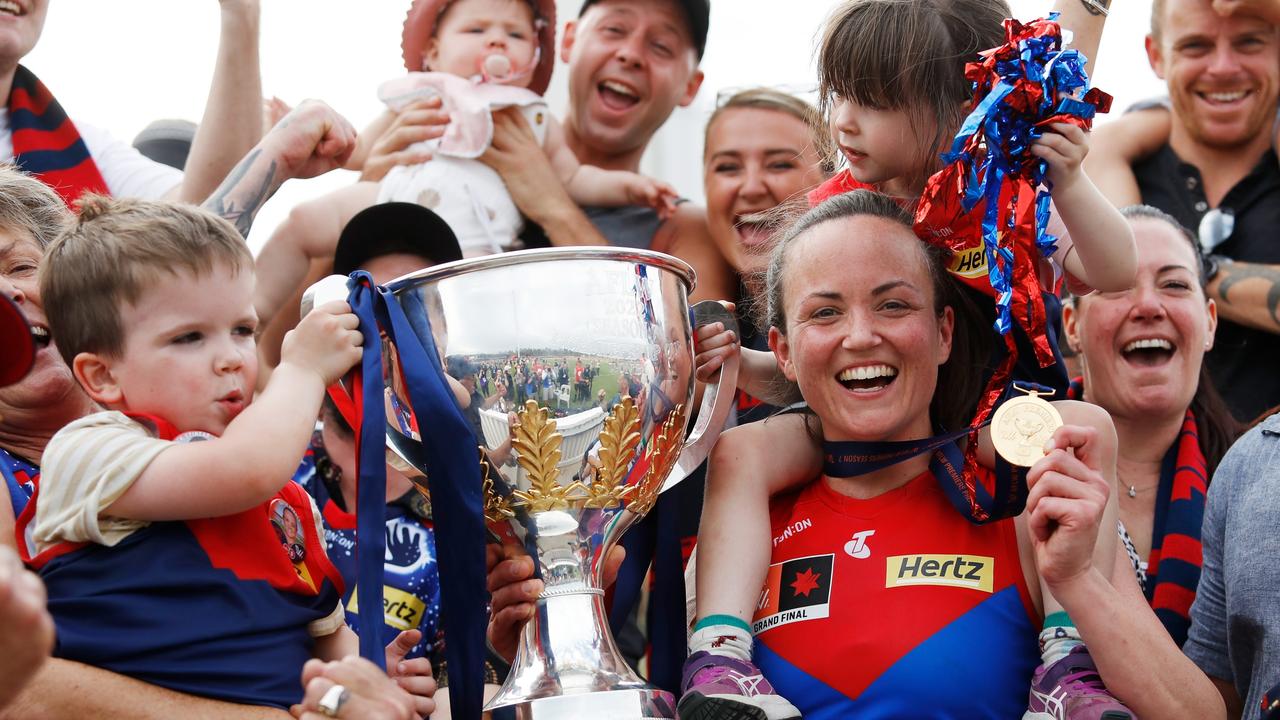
(414, 675)
(1064, 147)
(712, 344)
(654, 193)
(327, 341)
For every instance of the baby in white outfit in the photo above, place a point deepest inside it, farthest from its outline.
(479, 56)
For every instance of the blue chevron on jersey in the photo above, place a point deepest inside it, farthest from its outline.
(894, 607)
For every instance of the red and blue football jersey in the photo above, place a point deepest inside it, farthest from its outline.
(411, 579)
(214, 607)
(894, 607)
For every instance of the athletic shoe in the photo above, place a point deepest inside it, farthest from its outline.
(1071, 689)
(716, 687)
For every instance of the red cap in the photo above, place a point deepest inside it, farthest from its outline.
(420, 25)
(17, 347)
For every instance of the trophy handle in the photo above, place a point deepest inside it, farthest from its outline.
(325, 290)
(717, 398)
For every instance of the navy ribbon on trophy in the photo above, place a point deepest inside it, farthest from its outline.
(447, 451)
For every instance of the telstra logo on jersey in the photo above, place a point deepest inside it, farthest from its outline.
(857, 547)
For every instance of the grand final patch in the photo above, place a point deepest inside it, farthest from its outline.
(795, 590)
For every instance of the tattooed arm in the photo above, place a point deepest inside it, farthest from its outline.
(1248, 294)
(311, 140)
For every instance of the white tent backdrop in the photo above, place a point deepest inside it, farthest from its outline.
(121, 65)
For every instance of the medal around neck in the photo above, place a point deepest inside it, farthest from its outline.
(1021, 427)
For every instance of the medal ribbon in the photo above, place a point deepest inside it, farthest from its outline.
(950, 466)
(447, 453)
(961, 476)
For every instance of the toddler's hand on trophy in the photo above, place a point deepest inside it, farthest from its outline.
(413, 675)
(712, 345)
(327, 342)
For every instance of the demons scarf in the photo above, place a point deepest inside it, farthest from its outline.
(46, 142)
(1173, 569)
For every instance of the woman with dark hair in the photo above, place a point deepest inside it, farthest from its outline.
(880, 599)
(1142, 353)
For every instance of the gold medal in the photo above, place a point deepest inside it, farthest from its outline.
(1021, 427)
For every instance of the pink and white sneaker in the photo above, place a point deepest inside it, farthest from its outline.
(716, 687)
(1071, 689)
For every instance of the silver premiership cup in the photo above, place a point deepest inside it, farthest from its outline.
(581, 364)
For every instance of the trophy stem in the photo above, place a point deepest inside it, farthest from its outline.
(568, 666)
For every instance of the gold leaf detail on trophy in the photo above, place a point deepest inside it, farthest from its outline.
(660, 454)
(618, 442)
(497, 508)
(537, 446)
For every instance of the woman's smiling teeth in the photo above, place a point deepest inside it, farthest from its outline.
(867, 377)
(752, 228)
(1148, 351)
(40, 335)
(10, 8)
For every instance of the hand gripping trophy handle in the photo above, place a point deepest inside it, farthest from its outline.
(717, 397)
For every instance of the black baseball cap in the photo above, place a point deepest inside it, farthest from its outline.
(167, 142)
(697, 12)
(394, 227)
(17, 346)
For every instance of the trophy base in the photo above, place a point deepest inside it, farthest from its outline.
(631, 704)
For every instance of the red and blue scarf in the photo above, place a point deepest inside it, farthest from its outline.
(1173, 568)
(46, 143)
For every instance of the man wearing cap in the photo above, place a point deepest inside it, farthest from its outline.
(74, 158)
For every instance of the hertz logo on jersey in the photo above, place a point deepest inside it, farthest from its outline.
(966, 571)
(400, 609)
(969, 263)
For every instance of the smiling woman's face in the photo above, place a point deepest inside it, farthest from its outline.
(49, 383)
(863, 339)
(755, 158)
(1142, 349)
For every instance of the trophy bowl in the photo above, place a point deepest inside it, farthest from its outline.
(578, 363)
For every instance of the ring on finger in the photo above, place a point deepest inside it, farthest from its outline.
(333, 699)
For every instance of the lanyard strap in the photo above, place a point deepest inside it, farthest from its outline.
(446, 452)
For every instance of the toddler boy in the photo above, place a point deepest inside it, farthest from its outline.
(173, 544)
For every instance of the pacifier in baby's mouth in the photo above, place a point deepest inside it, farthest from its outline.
(496, 67)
